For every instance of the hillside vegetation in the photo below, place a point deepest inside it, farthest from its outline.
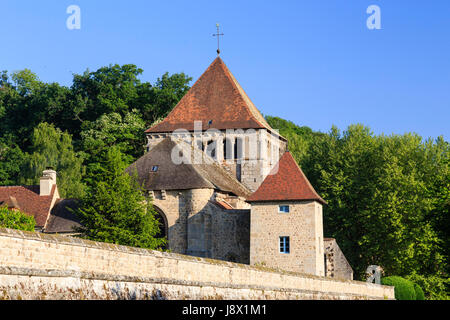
(388, 198)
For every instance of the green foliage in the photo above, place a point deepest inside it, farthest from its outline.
(434, 287)
(16, 220)
(388, 197)
(53, 148)
(115, 211)
(404, 289)
(117, 89)
(157, 101)
(113, 130)
(420, 295)
(379, 195)
(11, 162)
(299, 138)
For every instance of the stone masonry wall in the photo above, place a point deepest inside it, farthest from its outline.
(198, 227)
(337, 265)
(303, 226)
(41, 266)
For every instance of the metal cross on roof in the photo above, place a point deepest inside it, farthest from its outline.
(218, 34)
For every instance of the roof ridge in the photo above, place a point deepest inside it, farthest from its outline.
(305, 177)
(276, 186)
(246, 98)
(215, 96)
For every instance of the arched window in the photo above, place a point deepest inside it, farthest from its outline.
(238, 148)
(227, 149)
(211, 148)
(200, 145)
(163, 225)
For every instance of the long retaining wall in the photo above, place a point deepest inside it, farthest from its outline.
(41, 266)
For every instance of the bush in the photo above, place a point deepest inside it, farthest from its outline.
(404, 289)
(419, 292)
(16, 220)
(434, 287)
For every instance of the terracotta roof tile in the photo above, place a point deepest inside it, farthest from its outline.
(288, 183)
(216, 96)
(29, 201)
(223, 205)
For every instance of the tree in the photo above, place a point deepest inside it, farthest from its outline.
(11, 162)
(115, 210)
(378, 200)
(16, 220)
(53, 148)
(127, 133)
(388, 198)
(157, 101)
(299, 138)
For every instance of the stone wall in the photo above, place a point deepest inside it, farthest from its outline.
(198, 227)
(336, 265)
(303, 226)
(257, 151)
(40, 266)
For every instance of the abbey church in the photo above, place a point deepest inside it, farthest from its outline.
(226, 187)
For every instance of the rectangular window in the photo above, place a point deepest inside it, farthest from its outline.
(284, 245)
(283, 209)
(154, 169)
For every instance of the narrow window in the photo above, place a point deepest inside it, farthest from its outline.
(238, 149)
(283, 209)
(284, 245)
(211, 149)
(227, 149)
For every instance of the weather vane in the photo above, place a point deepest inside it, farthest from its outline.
(218, 34)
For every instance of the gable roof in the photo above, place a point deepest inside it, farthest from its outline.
(29, 201)
(288, 183)
(170, 176)
(215, 96)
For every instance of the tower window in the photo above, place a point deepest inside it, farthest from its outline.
(211, 148)
(154, 169)
(283, 209)
(284, 245)
(227, 149)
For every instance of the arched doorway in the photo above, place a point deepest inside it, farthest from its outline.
(163, 226)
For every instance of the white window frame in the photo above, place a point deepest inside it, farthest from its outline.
(284, 244)
(284, 206)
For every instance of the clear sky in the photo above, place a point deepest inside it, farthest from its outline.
(313, 62)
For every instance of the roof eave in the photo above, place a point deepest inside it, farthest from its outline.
(321, 201)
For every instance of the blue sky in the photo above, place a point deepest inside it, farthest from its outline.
(312, 62)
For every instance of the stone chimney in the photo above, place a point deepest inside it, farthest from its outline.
(47, 181)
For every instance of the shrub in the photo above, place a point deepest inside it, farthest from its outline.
(16, 220)
(434, 287)
(419, 292)
(404, 289)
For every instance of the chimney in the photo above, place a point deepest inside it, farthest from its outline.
(47, 181)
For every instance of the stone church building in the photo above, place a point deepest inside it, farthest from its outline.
(226, 187)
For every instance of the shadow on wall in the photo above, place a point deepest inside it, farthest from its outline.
(212, 232)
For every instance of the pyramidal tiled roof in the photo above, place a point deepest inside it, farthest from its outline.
(218, 101)
(287, 183)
